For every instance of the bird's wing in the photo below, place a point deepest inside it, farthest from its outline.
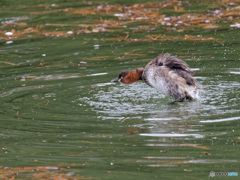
(173, 63)
(177, 65)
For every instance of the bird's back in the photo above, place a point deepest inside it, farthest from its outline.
(171, 76)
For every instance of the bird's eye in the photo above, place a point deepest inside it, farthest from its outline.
(120, 78)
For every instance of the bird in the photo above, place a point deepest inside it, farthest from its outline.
(168, 74)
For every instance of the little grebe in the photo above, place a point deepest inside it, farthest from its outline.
(166, 73)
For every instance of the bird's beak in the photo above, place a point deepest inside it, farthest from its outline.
(116, 80)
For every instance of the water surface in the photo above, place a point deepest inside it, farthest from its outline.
(62, 116)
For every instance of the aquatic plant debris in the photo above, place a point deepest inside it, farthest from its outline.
(117, 18)
(39, 172)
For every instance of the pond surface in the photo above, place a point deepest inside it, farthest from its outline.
(62, 117)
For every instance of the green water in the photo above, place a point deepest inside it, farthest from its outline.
(61, 116)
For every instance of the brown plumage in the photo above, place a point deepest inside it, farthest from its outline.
(166, 73)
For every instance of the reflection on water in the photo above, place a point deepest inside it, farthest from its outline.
(177, 162)
(221, 120)
(23, 89)
(172, 135)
